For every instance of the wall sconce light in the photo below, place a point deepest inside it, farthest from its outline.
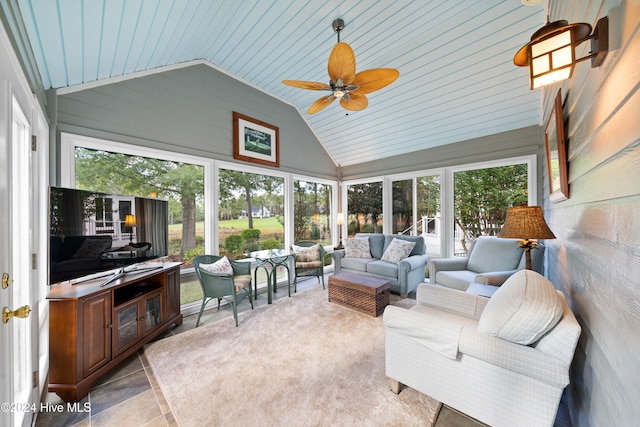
(550, 55)
(130, 222)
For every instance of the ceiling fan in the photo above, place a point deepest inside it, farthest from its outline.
(347, 85)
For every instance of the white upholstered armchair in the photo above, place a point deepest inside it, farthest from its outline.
(504, 361)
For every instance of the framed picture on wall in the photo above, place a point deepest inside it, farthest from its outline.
(557, 153)
(255, 141)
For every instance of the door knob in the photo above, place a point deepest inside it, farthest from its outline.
(6, 281)
(21, 312)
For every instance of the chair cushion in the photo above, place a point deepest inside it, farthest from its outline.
(492, 253)
(397, 251)
(524, 308)
(357, 248)
(456, 279)
(222, 266)
(241, 281)
(309, 264)
(306, 254)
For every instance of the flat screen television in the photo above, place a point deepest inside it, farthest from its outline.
(92, 232)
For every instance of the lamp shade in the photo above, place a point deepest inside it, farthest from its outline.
(526, 222)
(340, 219)
(130, 221)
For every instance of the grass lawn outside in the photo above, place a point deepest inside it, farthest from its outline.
(269, 228)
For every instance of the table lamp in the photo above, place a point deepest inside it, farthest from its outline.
(130, 222)
(340, 223)
(526, 223)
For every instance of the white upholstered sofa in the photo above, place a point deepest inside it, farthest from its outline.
(460, 349)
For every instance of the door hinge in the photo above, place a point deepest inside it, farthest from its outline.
(35, 379)
(34, 143)
(34, 261)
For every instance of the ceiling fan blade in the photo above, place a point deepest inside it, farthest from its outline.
(371, 80)
(307, 85)
(342, 63)
(320, 104)
(355, 102)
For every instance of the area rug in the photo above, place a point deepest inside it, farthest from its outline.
(301, 361)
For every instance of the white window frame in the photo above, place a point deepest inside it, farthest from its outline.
(333, 208)
(446, 193)
(69, 142)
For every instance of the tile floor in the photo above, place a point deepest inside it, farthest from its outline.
(129, 394)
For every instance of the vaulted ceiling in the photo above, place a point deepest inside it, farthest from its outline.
(457, 79)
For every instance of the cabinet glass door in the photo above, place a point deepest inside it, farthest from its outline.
(152, 312)
(127, 325)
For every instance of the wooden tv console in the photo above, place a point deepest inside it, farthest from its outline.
(93, 328)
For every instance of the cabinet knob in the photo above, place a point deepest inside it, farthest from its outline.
(110, 326)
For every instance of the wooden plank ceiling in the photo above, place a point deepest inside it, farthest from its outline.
(457, 79)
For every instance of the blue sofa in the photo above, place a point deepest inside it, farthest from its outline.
(403, 277)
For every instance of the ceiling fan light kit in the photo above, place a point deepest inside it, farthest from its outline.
(345, 84)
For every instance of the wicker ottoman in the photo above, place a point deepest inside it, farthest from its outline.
(368, 295)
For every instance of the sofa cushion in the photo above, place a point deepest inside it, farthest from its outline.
(397, 251)
(456, 279)
(383, 268)
(492, 253)
(420, 247)
(357, 248)
(222, 266)
(376, 243)
(524, 308)
(307, 254)
(356, 264)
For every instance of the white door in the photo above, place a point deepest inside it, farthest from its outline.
(17, 341)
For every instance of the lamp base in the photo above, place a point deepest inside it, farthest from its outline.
(527, 245)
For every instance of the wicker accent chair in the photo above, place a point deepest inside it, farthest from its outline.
(219, 285)
(307, 264)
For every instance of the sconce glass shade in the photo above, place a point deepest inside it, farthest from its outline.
(129, 221)
(550, 55)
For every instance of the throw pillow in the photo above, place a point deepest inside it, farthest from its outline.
(91, 248)
(397, 251)
(222, 266)
(307, 254)
(522, 310)
(357, 247)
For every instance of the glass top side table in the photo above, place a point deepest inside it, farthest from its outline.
(270, 260)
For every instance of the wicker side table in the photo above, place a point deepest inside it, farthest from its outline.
(368, 295)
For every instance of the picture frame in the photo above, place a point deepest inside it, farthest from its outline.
(557, 153)
(255, 141)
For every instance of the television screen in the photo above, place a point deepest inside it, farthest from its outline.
(92, 232)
